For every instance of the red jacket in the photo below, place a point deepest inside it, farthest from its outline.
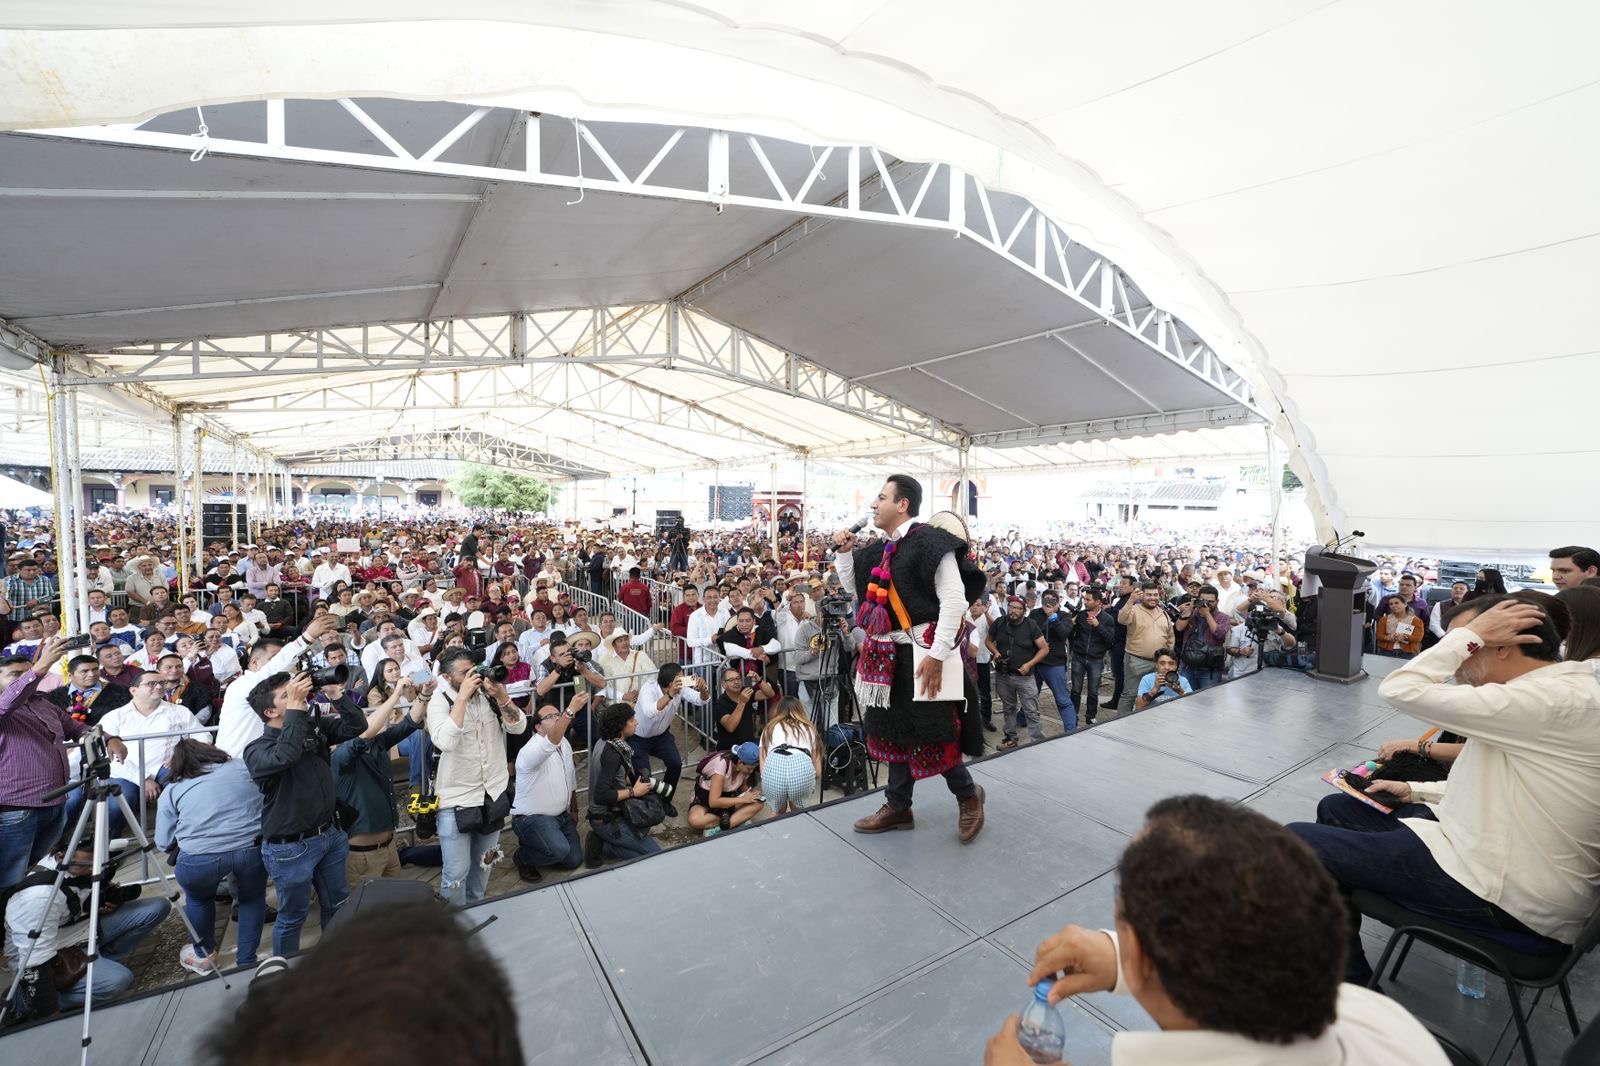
(635, 595)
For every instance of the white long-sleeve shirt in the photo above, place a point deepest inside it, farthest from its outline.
(703, 630)
(946, 586)
(788, 628)
(1520, 824)
(238, 724)
(652, 721)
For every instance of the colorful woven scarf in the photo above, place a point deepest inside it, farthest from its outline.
(875, 666)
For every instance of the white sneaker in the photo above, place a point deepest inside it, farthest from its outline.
(194, 962)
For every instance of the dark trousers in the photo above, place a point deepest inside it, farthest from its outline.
(985, 695)
(1117, 669)
(664, 747)
(1084, 669)
(901, 782)
(1365, 848)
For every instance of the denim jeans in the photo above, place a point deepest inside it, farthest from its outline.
(26, 836)
(463, 879)
(1087, 670)
(1365, 848)
(297, 867)
(663, 747)
(622, 840)
(130, 792)
(199, 876)
(547, 840)
(120, 932)
(1205, 677)
(1056, 678)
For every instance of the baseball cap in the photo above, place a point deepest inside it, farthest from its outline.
(748, 753)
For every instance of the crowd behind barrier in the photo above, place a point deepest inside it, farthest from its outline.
(1149, 614)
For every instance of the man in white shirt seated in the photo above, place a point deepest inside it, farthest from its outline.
(330, 570)
(1508, 851)
(545, 813)
(1225, 934)
(391, 645)
(224, 660)
(136, 765)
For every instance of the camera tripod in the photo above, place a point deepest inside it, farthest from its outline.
(99, 794)
(835, 689)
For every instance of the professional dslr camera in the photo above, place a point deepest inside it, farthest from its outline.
(1174, 606)
(497, 672)
(323, 676)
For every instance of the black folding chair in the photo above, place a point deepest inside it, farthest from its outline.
(1518, 969)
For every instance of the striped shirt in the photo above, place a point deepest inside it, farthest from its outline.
(33, 760)
(19, 592)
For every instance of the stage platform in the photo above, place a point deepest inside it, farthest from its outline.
(799, 941)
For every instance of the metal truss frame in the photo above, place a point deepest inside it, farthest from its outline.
(415, 362)
(467, 445)
(878, 188)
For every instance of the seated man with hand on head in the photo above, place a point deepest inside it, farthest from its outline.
(1507, 846)
(1164, 685)
(1223, 934)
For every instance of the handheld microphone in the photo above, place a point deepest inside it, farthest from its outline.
(861, 524)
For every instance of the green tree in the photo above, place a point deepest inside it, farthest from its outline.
(501, 490)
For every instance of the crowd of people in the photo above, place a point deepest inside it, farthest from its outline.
(254, 700)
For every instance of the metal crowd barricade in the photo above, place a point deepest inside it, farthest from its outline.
(663, 598)
(662, 646)
(146, 875)
(595, 605)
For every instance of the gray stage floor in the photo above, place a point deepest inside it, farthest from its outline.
(798, 941)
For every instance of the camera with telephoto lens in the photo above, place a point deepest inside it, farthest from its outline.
(323, 676)
(497, 672)
(580, 655)
(1171, 678)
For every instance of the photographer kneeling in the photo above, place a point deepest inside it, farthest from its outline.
(723, 798)
(468, 719)
(1163, 685)
(612, 782)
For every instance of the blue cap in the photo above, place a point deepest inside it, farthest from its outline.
(1041, 991)
(748, 753)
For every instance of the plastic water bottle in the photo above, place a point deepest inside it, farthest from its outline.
(1471, 980)
(1041, 1030)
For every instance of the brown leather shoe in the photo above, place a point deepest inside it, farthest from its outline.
(886, 819)
(971, 819)
(530, 874)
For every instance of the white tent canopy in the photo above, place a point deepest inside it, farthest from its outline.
(14, 495)
(1355, 205)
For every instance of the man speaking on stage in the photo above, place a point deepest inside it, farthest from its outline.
(912, 587)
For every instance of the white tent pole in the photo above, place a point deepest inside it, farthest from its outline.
(1275, 504)
(61, 489)
(233, 499)
(199, 498)
(177, 498)
(79, 574)
(772, 515)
